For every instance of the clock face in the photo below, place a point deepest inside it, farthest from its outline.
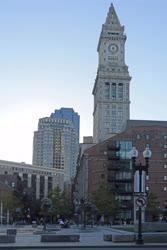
(113, 48)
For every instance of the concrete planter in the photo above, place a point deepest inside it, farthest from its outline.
(123, 237)
(152, 227)
(11, 231)
(147, 237)
(7, 238)
(60, 238)
(155, 238)
(107, 237)
(119, 237)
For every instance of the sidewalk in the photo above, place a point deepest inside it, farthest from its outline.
(88, 238)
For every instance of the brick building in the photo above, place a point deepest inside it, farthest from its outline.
(97, 165)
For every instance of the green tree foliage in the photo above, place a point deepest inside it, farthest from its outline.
(66, 205)
(152, 209)
(10, 201)
(105, 201)
(27, 198)
(61, 201)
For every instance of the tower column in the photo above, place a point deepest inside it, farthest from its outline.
(29, 180)
(21, 175)
(111, 88)
(46, 186)
(37, 186)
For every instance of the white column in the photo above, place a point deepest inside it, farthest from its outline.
(46, 186)
(7, 217)
(37, 186)
(29, 180)
(21, 175)
(1, 212)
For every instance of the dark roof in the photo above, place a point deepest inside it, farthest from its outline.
(144, 123)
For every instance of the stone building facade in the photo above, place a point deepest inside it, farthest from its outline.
(40, 180)
(111, 88)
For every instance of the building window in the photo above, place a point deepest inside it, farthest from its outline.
(113, 90)
(13, 184)
(147, 177)
(138, 136)
(125, 149)
(107, 130)
(147, 137)
(147, 188)
(107, 90)
(165, 165)
(102, 176)
(165, 178)
(120, 91)
(165, 145)
(107, 112)
(165, 137)
(165, 188)
(165, 155)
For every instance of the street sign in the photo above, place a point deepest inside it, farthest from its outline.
(139, 194)
(141, 201)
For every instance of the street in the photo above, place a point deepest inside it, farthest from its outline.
(29, 237)
(91, 248)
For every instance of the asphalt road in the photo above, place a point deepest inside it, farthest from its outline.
(94, 248)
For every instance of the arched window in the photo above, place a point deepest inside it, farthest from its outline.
(107, 90)
(120, 91)
(113, 90)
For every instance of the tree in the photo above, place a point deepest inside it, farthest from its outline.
(87, 211)
(62, 203)
(105, 201)
(9, 200)
(30, 207)
(152, 209)
(66, 205)
(46, 206)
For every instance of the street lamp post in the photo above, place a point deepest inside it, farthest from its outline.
(83, 203)
(141, 168)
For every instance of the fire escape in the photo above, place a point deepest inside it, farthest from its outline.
(120, 177)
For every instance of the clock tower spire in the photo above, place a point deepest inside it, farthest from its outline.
(112, 19)
(111, 88)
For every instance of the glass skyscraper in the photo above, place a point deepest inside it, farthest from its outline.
(68, 113)
(56, 142)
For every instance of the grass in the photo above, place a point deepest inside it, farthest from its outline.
(127, 229)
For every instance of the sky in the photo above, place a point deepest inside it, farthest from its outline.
(48, 60)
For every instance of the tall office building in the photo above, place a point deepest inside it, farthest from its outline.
(56, 144)
(111, 88)
(70, 114)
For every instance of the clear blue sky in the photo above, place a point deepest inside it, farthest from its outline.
(48, 60)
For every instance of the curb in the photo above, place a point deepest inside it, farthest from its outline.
(88, 246)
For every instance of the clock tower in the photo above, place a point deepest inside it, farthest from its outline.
(111, 88)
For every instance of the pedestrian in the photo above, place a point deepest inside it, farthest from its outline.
(102, 220)
(61, 222)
